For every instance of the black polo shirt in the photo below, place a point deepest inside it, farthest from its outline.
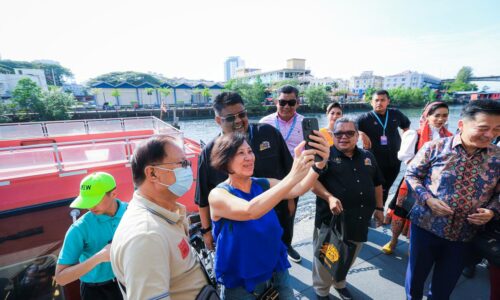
(272, 160)
(387, 155)
(352, 181)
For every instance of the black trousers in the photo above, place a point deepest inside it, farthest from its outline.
(390, 173)
(98, 291)
(286, 220)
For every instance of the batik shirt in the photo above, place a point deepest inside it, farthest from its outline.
(443, 170)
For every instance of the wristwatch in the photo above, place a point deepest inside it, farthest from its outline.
(318, 170)
(205, 230)
(379, 209)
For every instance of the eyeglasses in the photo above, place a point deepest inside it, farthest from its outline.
(348, 134)
(185, 163)
(232, 118)
(289, 102)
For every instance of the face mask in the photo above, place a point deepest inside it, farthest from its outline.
(183, 180)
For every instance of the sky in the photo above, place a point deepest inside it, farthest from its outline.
(192, 38)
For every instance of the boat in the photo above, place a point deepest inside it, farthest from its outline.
(41, 166)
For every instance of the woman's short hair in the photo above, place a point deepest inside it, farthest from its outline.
(224, 150)
(332, 106)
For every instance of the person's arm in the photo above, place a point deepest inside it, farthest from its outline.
(379, 203)
(367, 143)
(333, 202)
(201, 198)
(408, 142)
(417, 170)
(404, 121)
(225, 205)
(68, 273)
(145, 261)
(319, 143)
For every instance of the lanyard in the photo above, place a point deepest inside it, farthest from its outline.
(291, 128)
(380, 121)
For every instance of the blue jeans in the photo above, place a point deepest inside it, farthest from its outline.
(427, 250)
(281, 281)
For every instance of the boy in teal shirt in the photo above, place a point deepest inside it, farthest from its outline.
(85, 252)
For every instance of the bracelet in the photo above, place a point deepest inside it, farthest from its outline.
(205, 230)
(318, 170)
(379, 209)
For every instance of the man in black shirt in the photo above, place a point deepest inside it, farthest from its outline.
(352, 184)
(272, 159)
(379, 131)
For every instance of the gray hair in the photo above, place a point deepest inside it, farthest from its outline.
(345, 120)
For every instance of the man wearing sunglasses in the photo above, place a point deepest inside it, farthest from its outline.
(272, 158)
(352, 184)
(289, 123)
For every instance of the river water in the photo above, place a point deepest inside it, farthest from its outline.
(207, 129)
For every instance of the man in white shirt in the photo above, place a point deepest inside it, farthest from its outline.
(150, 253)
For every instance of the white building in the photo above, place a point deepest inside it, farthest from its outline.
(8, 82)
(337, 84)
(359, 84)
(295, 69)
(410, 79)
(231, 64)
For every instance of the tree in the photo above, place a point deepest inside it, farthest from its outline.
(253, 94)
(165, 92)
(464, 75)
(149, 92)
(135, 78)
(58, 105)
(369, 94)
(316, 97)
(54, 73)
(116, 93)
(27, 96)
(206, 94)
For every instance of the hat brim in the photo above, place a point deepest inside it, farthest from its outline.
(85, 203)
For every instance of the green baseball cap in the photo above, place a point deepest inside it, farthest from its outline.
(92, 189)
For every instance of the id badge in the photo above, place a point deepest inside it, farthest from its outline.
(383, 140)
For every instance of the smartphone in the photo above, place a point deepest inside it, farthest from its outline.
(308, 125)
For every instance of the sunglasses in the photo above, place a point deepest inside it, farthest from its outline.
(348, 134)
(289, 102)
(185, 163)
(232, 118)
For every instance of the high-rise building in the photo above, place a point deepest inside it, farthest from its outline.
(231, 64)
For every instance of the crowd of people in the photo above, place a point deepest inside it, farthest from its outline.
(249, 181)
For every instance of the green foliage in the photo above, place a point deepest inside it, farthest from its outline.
(135, 78)
(206, 93)
(369, 94)
(58, 105)
(165, 91)
(54, 73)
(408, 97)
(253, 94)
(464, 74)
(115, 93)
(278, 84)
(316, 97)
(30, 102)
(27, 97)
(341, 93)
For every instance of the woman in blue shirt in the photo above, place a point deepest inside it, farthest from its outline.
(250, 255)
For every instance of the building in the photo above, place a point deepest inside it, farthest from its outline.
(149, 95)
(359, 84)
(410, 79)
(295, 69)
(231, 64)
(337, 84)
(8, 82)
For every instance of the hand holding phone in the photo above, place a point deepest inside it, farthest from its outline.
(308, 125)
